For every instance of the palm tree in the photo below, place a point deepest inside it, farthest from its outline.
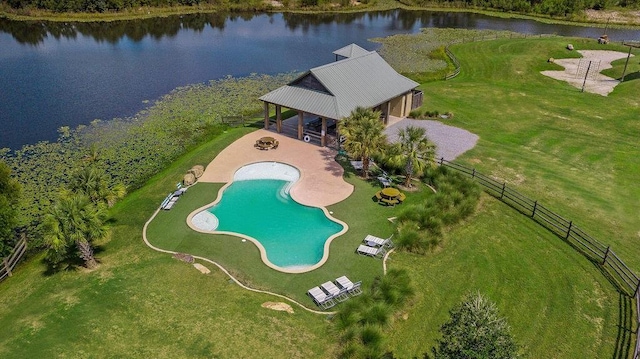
(94, 183)
(74, 220)
(413, 153)
(364, 135)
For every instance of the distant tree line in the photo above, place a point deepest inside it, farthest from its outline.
(116, 5)
(545, 7)
(99, 6)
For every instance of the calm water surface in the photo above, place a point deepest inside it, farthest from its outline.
(66, 74)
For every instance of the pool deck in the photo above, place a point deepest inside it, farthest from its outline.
(320, 185)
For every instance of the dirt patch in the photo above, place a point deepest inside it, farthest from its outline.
(279, 306)
(596, 83)
(201, 268)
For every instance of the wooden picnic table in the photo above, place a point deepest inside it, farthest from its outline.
(266, 143)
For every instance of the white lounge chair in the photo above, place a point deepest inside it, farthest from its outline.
(373, 241)
(376, 252)
(345, 283)
(334, 291)
(321, 298)
(171, 203)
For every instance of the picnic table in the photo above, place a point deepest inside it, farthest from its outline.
(266, 143)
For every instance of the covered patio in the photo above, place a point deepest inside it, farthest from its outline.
(326, 94)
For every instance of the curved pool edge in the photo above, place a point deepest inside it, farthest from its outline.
(263, 252)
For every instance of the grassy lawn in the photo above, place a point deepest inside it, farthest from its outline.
(576, 152)
(170, 231)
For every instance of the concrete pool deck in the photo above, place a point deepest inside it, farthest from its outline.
(320, 185)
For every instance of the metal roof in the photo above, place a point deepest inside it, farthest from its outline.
(352, 50)
(366, 80)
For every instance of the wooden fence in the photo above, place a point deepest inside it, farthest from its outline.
(627, 282)
(9, 262)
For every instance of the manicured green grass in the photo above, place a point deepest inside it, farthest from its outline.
(169, 231)
(576, 152)
(143, 304)
(558, 304)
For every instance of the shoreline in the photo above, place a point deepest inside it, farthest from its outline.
(595, 17)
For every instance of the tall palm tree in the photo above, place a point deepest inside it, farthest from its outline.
(364, 135)
(74, 220)
(413, 153)
(94, 183)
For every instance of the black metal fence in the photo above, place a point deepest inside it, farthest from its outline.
(600, 254)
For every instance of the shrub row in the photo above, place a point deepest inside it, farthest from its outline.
(420, 227)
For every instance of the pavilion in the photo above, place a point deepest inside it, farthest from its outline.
(326, 94)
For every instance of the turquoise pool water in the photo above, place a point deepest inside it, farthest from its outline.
(292, 235)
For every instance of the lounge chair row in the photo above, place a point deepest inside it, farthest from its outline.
(172, 198)
(326, 294)
(375, 246)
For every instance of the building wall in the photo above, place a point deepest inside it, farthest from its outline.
(401, 105)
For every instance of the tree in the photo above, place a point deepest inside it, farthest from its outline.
(413, 153)
(475, 331)
(364, 135)
(94, 183)
(9, 197)
(73, 220)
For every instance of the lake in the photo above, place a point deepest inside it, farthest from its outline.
(66, 74)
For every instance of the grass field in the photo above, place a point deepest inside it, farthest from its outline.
(576, 152)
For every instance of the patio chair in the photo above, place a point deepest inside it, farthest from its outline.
(373, 241)
(335, 292)
(376, 252)
(384, 181)
(345, 283)
(321, 298)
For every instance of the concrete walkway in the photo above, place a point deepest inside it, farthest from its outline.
(321, 183)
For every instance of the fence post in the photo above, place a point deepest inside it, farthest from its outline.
(441, 160)
(473, 174)
(6, 267)
(606, 254)
(504, 185)
(535, 206)
(569, 230)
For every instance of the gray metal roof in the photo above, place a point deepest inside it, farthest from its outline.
(365, 80)
(352, 50)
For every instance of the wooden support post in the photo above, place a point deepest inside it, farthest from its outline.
(300, 124)
(278, 118)
(624, 72)
(7, 267)
(535, 206)
(569, 230)
(386, 115)
(606, 254)
(504, 185)
(323, 133)
(586, 74)
(473, 174)
(266, 115)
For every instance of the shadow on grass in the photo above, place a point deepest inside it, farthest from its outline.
(71, 263)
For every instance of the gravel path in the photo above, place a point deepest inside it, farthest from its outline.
(450, 141)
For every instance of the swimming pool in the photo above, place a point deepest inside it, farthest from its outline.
(257, 206)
